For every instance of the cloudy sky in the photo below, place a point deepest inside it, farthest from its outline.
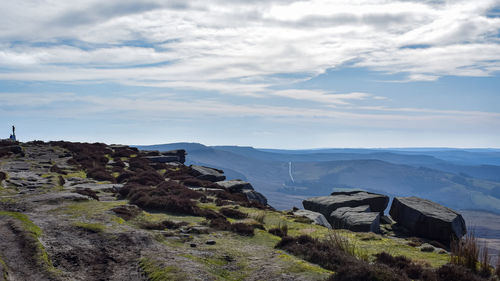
(265, 73)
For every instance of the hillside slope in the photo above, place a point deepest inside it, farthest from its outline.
(399, 173)
(71, 211)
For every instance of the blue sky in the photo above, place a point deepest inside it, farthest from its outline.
(278, 73)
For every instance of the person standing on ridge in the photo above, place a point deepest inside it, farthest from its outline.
(13, 136)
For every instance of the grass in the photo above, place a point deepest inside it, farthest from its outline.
(33, 233)
(158, 217)
(78, 174)
(87, 210)
(297, 265)
(366, 244)
(216, 265)
(4, 268)
(28, 225)
(156, 272)
(91, 227)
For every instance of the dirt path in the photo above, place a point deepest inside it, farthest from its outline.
(20, 264)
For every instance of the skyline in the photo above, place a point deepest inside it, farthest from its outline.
(269, 74)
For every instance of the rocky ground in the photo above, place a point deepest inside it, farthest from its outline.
(59, 223)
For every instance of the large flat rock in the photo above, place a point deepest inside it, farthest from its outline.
(362, 222)
(53, 198)
(163, 159)
(427, 219)
(359, 219)
(179, 153)
(317, 218)
(336, 218)
(327, 204)
(209, 174)
(235, 185)
(253, 195)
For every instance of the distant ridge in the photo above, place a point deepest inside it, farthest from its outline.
(454, 177)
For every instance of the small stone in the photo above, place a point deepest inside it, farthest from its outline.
(192, 245)
(210, 242)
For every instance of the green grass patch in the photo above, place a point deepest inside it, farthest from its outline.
(156, 272)
(216, 266)
(157, 217)
(33, 233)
(28, 225)
(297, 265)
(4, 268)
(89, 209)
(78, 174)
(92, 227)
(366, 244)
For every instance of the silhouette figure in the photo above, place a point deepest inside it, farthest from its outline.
(13, 136)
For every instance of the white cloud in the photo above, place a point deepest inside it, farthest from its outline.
(222, 45)
(321, 96)
(166, 106)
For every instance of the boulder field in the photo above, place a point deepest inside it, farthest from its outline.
(362, 211)
(355, 210)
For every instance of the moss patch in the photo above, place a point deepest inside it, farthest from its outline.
(88, 209)
(156, 272)
(297, 265)
(92, 227)
(79, 174)
(3, 268)
(217, 266)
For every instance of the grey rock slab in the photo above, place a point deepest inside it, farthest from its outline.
(427, 219)
(163, 159)
(316, 217)
(253, 195)
(235, 185)
(180, 153)
(209, 174)
(327, 204)
(97, 186)
(58, 197)
(356, 219)
(362, 222)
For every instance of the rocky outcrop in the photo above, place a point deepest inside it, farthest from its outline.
(179, 153)
(253, 195)
(53, 198)
(355, 210)
(235, 185)
(13, 148)
(358, 219)
(427, 219)
(317, 218)
(209, 174)
(162, 159)
(337, 217)
(327, 204)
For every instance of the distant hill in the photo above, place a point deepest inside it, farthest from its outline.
(455, 178)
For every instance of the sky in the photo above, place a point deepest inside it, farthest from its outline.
(271, 74)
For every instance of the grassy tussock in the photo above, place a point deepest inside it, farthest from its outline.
(470, 254)
(156, 272)
(281, 230)
(90, 227)
(29, 235)
(259, 217)
(233, 213)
